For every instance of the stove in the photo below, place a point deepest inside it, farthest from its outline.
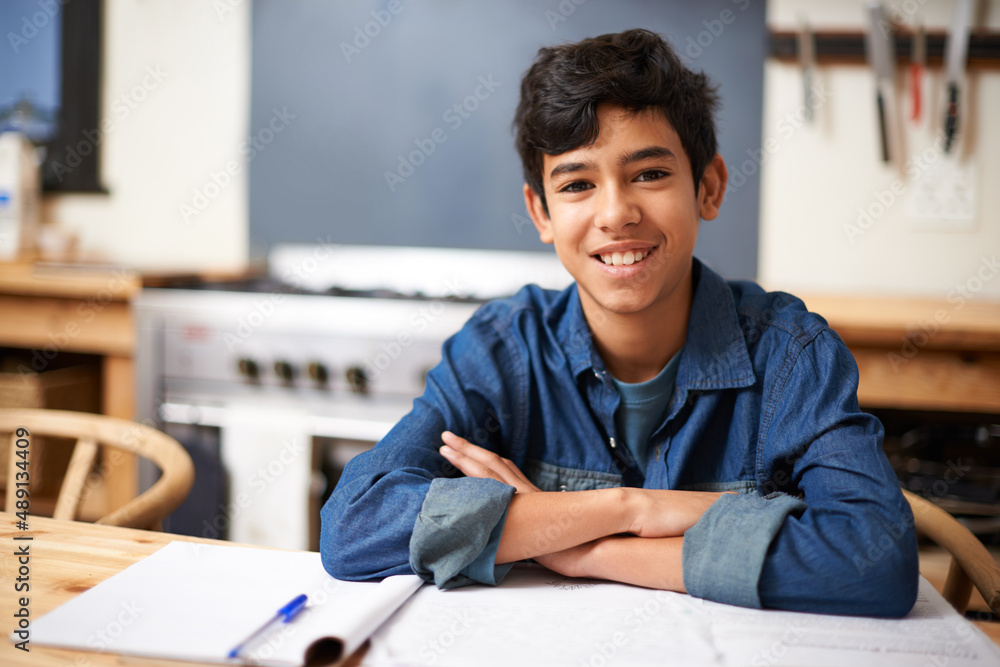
(272, 383)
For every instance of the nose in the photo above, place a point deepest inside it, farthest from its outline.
(615, 209)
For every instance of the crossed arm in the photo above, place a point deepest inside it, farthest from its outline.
(621, 534)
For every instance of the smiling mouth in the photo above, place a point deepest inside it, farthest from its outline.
(627, 258)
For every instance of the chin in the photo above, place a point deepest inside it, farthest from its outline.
(624, 304)
(627, 307)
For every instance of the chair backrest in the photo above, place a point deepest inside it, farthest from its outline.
(92, 431)
(971, 562)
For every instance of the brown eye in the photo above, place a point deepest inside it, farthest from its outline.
(652, 175)
(576, 186)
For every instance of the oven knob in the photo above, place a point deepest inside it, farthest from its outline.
(284, 370)
(358, 379)
(248, 369)
(318, 373)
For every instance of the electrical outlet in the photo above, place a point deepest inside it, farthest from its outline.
(943, 195)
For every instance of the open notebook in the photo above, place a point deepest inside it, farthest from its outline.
(195, 602)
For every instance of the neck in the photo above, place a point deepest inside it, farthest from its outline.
(636, 346)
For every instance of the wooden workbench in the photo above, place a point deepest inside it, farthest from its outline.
(920, 354)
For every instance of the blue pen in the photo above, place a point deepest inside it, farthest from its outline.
(285, 615)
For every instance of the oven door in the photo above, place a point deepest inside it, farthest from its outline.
(262, 472)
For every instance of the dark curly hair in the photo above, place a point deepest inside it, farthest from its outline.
(635, 69)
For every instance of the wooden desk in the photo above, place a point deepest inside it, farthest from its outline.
(68, 558)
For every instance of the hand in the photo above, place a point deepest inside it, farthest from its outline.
(568, 562)
(665, 513)
(475, 461)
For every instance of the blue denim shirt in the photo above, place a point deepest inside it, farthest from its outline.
(765, 404)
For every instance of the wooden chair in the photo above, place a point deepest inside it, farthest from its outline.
(90, 432)
(971, 563)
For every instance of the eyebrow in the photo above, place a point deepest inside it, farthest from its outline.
(647, 153)
(569, 167)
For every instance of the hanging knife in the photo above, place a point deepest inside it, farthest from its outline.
(918, 61)
(880, 55)
(955, 55)
(807, 60)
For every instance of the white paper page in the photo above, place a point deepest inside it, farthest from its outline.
(536, 617)
(196, 602)
(933, 634)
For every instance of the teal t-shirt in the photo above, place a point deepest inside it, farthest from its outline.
(642, 407)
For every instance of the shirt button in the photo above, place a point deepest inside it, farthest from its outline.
(611, 441)
(597, 374)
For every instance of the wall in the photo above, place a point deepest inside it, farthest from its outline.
(177, 105)
(834, 218)
(367, 89)
(175, 111)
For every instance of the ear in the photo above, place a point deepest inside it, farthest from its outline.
(536, 210)
(712, 188)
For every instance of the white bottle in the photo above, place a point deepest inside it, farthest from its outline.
(20, 195)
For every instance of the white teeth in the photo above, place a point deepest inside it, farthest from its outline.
(623, 259)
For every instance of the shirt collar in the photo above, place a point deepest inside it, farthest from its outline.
(574, 334)
(714, 355)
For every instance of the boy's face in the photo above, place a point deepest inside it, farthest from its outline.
(623, 214)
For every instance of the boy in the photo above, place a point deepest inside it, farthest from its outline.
(706, 435)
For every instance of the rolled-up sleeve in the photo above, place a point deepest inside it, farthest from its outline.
(401, 507)
(457, 532)
(724, 552)
(852, 550)
(827, 529)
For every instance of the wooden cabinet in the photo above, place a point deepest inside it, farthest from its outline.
(49, 310)
(920, 354)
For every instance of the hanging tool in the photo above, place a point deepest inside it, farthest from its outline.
(956, 52)
(807, 60)
(878, 42)
(918, 61)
